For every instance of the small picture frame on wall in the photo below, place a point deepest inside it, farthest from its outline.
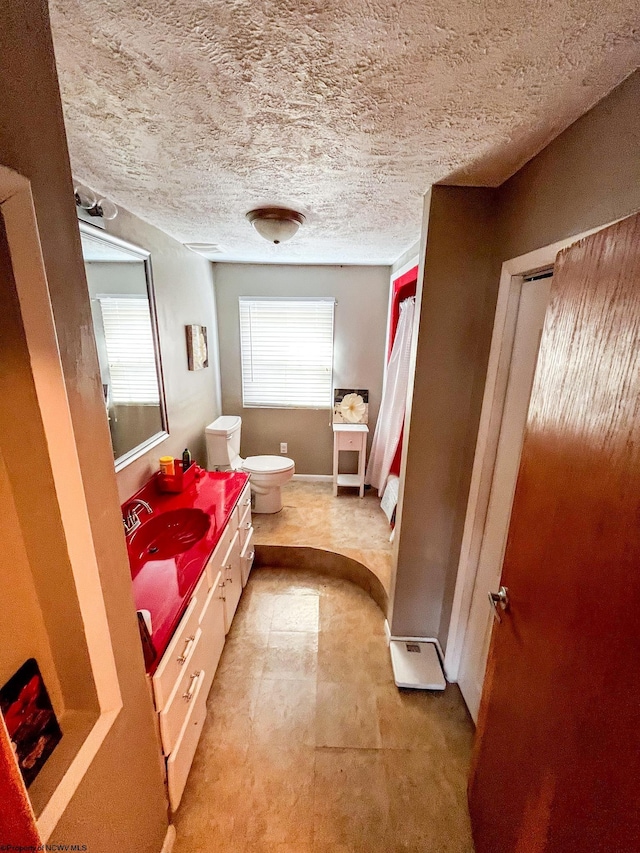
(197, 351)
(350, 406)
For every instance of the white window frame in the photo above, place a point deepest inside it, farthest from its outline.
(290, 392)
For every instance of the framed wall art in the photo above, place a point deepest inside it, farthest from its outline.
(197, 351)
(30, 719)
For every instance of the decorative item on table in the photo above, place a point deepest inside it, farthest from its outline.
(30, 719)
(350, 406)
(197, 352)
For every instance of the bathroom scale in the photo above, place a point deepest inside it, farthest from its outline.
(416, 665)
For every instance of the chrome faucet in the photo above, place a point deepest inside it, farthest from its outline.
(131, 520)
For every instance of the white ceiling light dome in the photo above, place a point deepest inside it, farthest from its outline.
(275, 224)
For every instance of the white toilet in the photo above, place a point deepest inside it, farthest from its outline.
(268, 473)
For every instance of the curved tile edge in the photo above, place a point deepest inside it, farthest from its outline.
(326, 562)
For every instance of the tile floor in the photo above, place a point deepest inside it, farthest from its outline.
(346, 524)
(309, 747)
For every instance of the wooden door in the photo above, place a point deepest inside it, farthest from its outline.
(557, 760)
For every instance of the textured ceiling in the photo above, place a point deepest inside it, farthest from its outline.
(191, 112)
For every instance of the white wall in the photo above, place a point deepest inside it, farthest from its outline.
(362, 295)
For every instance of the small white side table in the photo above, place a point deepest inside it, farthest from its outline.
(349, 437)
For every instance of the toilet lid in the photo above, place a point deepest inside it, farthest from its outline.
(267, 464)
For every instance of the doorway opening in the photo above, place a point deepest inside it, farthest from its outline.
(529, 273)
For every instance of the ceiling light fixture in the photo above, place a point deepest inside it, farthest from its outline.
(89, 201)
(275, 224)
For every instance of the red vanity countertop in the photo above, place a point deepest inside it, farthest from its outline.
(164, 587)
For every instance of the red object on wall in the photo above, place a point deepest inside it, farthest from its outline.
(17, 823)
(402, 288)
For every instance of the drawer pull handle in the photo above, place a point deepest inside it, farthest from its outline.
(247, 525)
(247, 502)
(251, 555)
(187, 648)
(188, 694)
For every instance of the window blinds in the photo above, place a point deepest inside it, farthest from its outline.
(130, 350)
(286, 352)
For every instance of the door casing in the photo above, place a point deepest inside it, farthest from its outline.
(488, 434)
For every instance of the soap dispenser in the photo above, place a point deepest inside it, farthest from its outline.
(186, 459)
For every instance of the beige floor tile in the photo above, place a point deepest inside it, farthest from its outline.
(295, 613)
(267, 579)
(421, 719)
(243, 656)
(292, 655)
(427, 808)
(354, 614)
(351, 801)
(357, 659)
(230, 711)
(276, 802)
(207, 815)
(346, 716)
(253, 616)
(284, 713)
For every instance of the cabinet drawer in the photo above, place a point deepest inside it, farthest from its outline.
(175, 712)
(178, 653)
(349, 440)
(179, 762)
(215, 561)
(244, 501)
(245, 527)
(232, 577)
(246, 557)
(212, 625)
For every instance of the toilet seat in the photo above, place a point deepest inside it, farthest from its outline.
(267, 464)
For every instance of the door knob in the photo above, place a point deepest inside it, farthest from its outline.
(499, 601)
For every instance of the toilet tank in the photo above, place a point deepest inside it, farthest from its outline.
(223, 442)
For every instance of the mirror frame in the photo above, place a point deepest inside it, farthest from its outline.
(97, 233)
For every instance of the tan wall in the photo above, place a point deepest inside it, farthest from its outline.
(120, 802)
(362, 295)
(22, 630)
(183, 284)
(457, 272)
(589, 176)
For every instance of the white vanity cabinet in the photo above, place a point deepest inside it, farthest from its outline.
(183, 678)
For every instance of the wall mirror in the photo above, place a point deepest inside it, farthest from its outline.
(126, 332)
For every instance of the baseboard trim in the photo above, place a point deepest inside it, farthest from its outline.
(169, 839)
(314, 478)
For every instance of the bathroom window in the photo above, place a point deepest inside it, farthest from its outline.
(287, 352)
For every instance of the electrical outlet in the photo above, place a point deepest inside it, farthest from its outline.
(283, 447)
